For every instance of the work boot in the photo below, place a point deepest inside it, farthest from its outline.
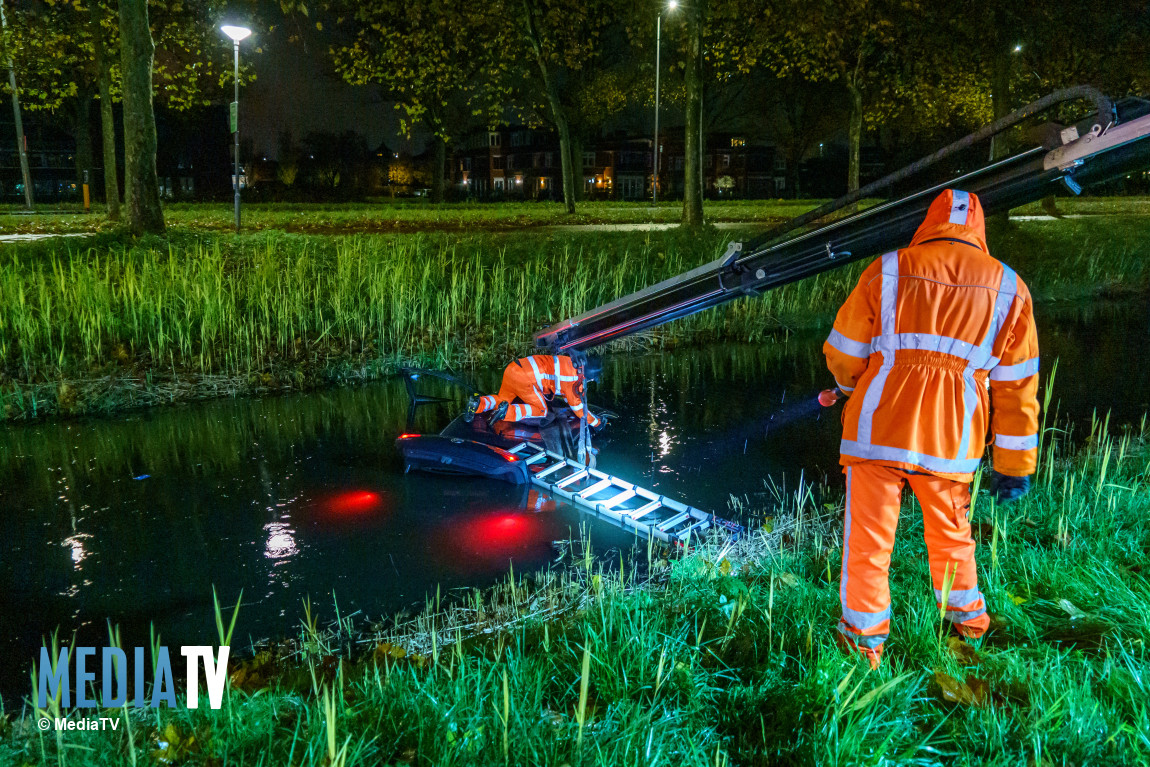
(497, 414)
(850, 647)
(472, 407)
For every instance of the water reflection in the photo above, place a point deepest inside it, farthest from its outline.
(489, 541)
(280, 541)
(75, 542)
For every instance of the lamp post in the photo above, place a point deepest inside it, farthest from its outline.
(672, 5)
(236, 34)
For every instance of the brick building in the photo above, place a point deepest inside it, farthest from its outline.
(732, 167)
(522, 163)
(507, 163)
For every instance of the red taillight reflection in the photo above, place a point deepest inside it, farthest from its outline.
(408, 436)
(355, 502)
(487, 541)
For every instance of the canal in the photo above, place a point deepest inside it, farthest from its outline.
(133, 519)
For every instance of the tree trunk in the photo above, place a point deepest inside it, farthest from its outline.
(438, 168)
(693, 131)
(557, 112)
(82, 131)
(794, 159)
(702, 149)
(854, 135)
(577, 166)
(107, 119)
(142, 201)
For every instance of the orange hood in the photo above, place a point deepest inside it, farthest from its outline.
(954, 214)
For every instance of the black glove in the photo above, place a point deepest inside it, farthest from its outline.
(1005, 488)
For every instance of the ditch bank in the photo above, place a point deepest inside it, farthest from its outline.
(103, 326)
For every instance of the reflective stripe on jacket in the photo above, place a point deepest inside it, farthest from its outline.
(549, 375)
(925, 334)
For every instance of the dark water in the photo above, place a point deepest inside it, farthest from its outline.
(135, 518)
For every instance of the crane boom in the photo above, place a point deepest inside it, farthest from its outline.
(1106, 149)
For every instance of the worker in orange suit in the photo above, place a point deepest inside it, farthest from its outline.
(937, 350)
(531, 382)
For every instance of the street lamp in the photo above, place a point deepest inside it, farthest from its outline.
(236, 34)
(672, 5)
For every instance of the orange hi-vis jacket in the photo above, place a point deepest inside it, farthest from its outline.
(534, 380)
(928, 330)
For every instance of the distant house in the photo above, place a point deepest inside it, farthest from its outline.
(51, 161)
(512, 162)
(523, 163)
(733, 166)
(618, 168)
(194, 155)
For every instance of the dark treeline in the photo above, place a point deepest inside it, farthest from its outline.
(892, 77)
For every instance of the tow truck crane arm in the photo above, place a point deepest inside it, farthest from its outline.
(1112, 143)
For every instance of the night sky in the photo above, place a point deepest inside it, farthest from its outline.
(296, 89)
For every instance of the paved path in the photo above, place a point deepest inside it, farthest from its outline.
(29, 237)
(649, 227)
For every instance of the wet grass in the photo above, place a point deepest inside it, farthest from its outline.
(404, 216)
(409, 215)
(106, 324)
(724, 655)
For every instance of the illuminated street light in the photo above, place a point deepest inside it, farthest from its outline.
(1018, 48)
(236, 34)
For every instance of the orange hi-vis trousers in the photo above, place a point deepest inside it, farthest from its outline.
(534, 406)
(874, 493)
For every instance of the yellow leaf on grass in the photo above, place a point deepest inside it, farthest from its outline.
(973, 692)
(963, 652)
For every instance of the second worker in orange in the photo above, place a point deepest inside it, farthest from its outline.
(937, 349)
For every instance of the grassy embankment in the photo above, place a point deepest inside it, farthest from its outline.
(102, 324)
(724, 656)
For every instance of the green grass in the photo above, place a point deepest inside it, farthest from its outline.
(281, 310)
(406, 216)
(420, 215)
(1092, 206)
(84, 324)
(725, 655)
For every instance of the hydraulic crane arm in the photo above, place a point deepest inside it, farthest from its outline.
(1109, 146)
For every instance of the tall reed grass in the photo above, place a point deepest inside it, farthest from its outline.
(317, 308)
(203, 315)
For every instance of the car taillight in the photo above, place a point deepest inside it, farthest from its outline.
(408, 436)
(508, 456)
